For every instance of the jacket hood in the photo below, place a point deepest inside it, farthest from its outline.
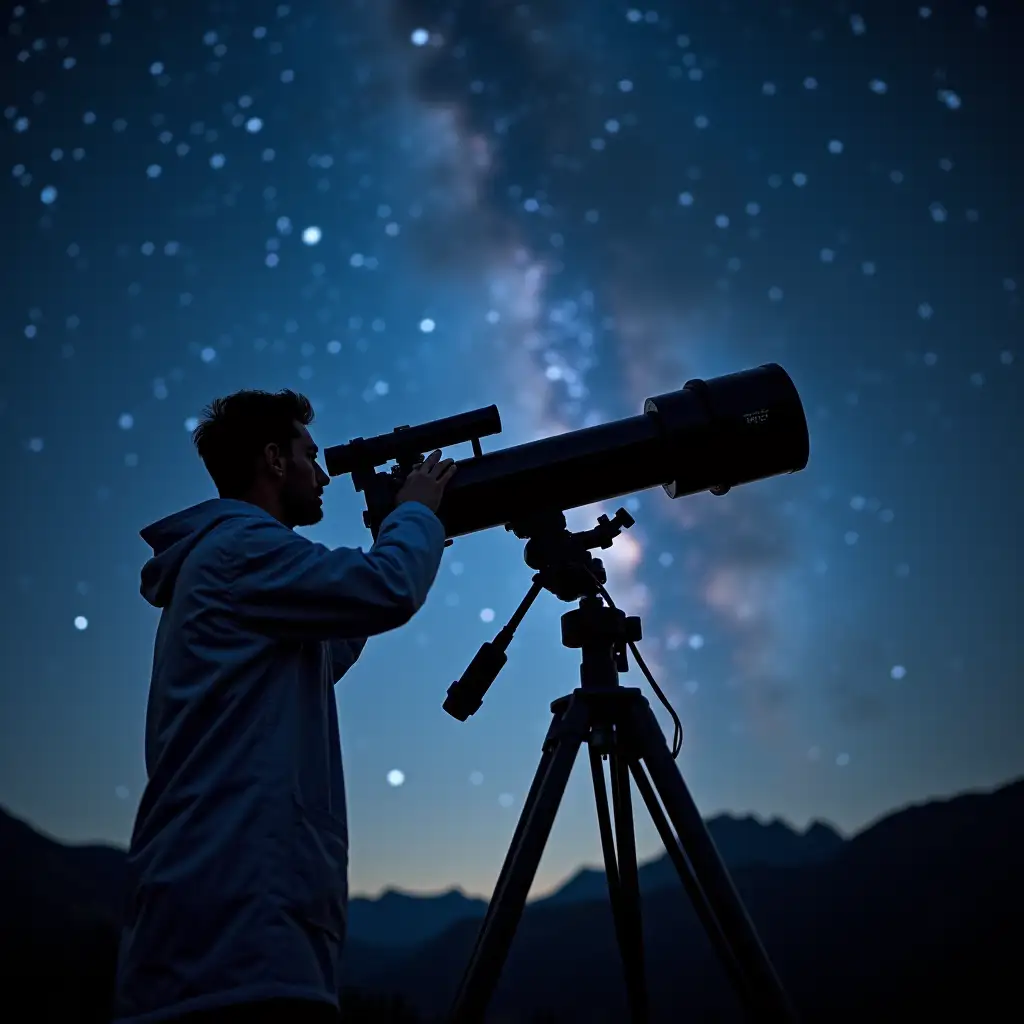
(173, 539)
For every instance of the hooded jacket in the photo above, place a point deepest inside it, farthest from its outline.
(239, 855)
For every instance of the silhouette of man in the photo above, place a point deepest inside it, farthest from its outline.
(240, 847)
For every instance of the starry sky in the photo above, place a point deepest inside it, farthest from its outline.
(407, 209)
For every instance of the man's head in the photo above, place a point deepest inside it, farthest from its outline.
(256, 446)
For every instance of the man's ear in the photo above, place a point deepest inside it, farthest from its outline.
(274, 459)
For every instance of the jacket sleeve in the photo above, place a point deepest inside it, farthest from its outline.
(287, 586)
(344, 654)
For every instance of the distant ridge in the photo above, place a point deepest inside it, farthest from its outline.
(95, 874)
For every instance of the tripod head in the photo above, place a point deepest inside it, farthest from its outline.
(566, 568)
(563, 561)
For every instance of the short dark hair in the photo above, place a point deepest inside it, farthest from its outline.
(234, 431)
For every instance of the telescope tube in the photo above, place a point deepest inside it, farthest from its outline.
(718, 433)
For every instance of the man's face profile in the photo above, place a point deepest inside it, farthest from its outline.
(303, 482)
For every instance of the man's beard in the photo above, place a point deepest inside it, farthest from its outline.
(300, 506)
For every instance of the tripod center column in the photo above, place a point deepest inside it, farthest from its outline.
(597, 631)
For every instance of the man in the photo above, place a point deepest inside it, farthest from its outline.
(240, 849)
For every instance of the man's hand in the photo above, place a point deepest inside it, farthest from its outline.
(426, 483)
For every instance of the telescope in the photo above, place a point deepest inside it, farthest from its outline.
(711, 435)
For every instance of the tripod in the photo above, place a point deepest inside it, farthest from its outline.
(616, 723)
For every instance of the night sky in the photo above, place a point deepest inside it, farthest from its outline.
(407, 210)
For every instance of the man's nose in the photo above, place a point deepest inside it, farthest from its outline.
(322, 478)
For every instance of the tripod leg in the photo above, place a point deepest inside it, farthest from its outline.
(520, 867)
(604, 826)
(767, 1000)
(631, 940)
(625, 932)
(696, 895)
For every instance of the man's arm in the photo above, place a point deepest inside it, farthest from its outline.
(344, 654)
(288, 587)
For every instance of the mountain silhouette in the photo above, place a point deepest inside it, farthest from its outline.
(43, 882)
(918, 913)
(742, 842)
(93, 877)
(399, 919)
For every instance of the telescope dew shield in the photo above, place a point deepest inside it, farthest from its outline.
(732, 430)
